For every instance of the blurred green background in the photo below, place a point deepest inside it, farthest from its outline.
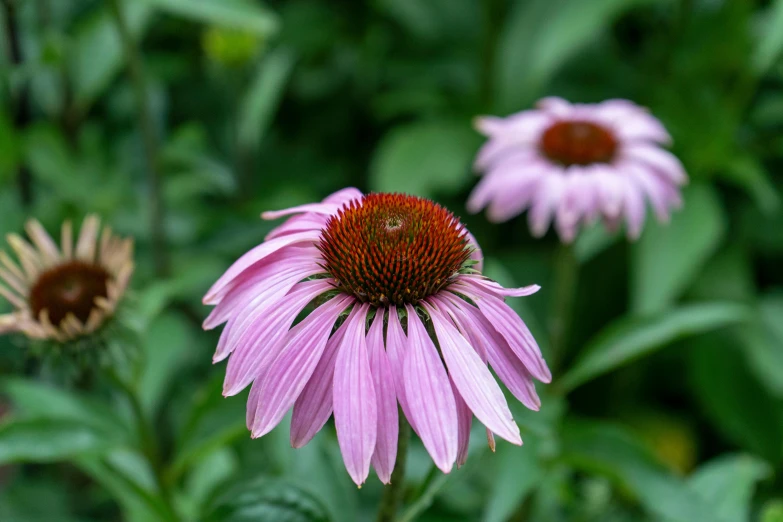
(179, 121)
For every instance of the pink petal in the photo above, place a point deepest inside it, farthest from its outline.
(473, 379)
(429, 395)
(483, 337)
(295, 224)
(493, 287)
(509, 325)
(396, 343)
(314, 208)
(464, 422)
(545, 203)
(252, 257)
(292, 369)
(344, 195)
(662, 161)
(634, 208)
(355, 408)
(314, 406)
(267, 337)
(385, 454)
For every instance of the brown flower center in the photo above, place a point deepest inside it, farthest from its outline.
(70, 288)
(393, 248)
(578, 143)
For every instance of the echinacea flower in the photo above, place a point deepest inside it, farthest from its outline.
(400, 314)
(62, 293)
(576, 163)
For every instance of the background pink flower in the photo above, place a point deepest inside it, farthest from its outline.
(576, 163)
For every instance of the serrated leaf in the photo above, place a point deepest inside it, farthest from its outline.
(633, 337)
(667, 257)
(266, 499)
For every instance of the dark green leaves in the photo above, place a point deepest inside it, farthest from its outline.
(634, 337)
(48, 440)
(264, 499)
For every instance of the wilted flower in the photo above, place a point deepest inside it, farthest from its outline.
(390, 276)
(576, 163)
(66, 292)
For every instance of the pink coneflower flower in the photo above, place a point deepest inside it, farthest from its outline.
(398, 314)
(575, 163)
(62, 293)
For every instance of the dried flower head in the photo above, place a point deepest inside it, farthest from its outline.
(62, 293)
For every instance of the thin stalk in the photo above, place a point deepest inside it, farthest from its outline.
(566, 277)
(149, 135)
(392, 493)
(21, 106)
(148, 441)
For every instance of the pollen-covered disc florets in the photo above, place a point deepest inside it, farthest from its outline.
(393, 248)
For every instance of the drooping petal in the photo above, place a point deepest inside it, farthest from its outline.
(252, 257)
(355, 404)
(396, 345)
(430, 399)
(464, 422)
(664, 162)
(485, 339)
(266, 339)
(385, 454)
(494, 288)
(292, 369)
(473, 379)
(509, 325)
(314, 406)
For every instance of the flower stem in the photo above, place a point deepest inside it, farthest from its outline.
(566, 275)
(392, 493)
(148, 441)
(149, 136)
(22, 105)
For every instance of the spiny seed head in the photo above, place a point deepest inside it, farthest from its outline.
(69, 288)
(578, 143)
(393, 248)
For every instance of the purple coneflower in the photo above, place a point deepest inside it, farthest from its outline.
(62, 293)
(575, 163)
(399, 314)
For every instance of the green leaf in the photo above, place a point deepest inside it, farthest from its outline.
(424, 158)
(733, 399)
(609, 450)
(763, 344)
(237, 14)
(263, 97)
(127, 477)
(772, 511)
(96, 55)
(667, 257)
(35, 400)
(518, 474)
(749, 173)
(592, 241)
(265, 499)
(727, 483)
(539, 36)
(49, 440)
(632, 337)
(770, 39)
(169, 347)
(214, 421)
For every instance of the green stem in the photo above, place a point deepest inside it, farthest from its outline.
(149, 136)
(392, 493)
(491, 13)
(148, 441)
(430, 487)
(566, 275)
(21, 115)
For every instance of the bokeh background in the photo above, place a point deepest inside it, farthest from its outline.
(179, 121)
